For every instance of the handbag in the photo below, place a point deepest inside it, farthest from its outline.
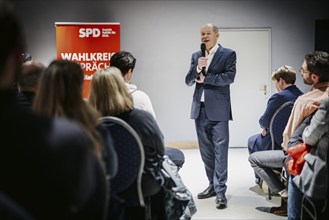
(297, 154)
(178, 200)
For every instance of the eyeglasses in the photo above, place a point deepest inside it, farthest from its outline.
(302, 71)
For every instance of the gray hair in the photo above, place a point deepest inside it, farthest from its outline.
(214, 27)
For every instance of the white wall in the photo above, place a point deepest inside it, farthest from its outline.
(163, 34)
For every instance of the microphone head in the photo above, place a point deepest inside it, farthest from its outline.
(203, 46)
(203, 49)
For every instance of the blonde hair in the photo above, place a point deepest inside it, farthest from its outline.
(109, 93)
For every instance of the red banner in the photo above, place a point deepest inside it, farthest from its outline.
(90, 44)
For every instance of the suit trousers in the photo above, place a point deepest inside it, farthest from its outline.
(213, 138)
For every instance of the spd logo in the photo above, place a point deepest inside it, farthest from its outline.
(89, 32)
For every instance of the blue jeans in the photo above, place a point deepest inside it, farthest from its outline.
(295, 197)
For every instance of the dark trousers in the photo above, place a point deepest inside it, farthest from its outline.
(213, 138)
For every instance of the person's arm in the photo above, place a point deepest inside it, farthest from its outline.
(272, 105)
(149, 132)
(192, 73)
(296, 137)
(318, 126)
(226, 77)
(154, 136)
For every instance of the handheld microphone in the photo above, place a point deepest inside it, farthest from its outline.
(203, 53)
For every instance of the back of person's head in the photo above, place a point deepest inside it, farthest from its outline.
(60, 94)
(124, 61)
(287, 73)
(60, 89)
(318, 63)
(11, 43)
(29, 78)
(108, 92)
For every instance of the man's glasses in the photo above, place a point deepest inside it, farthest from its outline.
(302, 71)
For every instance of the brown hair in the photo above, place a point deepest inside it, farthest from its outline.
(318, 63)
(60, 94)
(287, 73)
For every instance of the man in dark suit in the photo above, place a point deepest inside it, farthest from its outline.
(284, 78)
(211, 108)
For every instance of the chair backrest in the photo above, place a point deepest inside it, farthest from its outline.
(309, 209)
(130, 152)
(278, 123)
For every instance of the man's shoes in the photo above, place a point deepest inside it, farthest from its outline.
(282, 210)
(207, 193)
(221, 200)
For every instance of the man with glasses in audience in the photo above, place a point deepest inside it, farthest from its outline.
(315, 72)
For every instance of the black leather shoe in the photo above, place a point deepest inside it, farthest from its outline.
(207, 193)
(221, 200)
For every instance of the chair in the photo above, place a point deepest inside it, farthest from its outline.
(309, 210)
(277, 125)
(130, 152)
(10, 210)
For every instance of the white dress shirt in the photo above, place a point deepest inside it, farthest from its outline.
(209, 56)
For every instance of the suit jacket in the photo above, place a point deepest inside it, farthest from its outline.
(290, 93)
(216, 86)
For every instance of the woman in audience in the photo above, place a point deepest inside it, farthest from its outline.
(60, 95)
(109, 95)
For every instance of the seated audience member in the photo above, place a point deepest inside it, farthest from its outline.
(313, 179)
(126, 62)
(46, 165)
(60, 94)
(109, 95)
(315, 72)
(27, 83)
(284, 78)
